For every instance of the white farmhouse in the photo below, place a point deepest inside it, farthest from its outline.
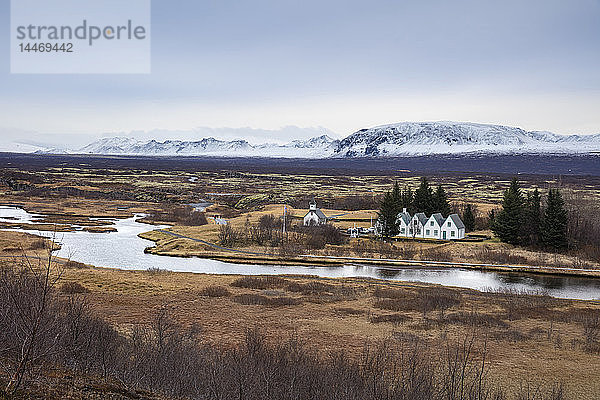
(453, 228)
(403, 221)
(433, 226)
(314, 216)
(417, 225)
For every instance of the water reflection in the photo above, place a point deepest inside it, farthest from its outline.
(125, 250)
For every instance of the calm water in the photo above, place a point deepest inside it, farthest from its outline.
(124, 250)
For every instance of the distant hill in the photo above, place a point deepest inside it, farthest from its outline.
(395, 140)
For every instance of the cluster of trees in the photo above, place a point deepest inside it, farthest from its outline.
(523, 221)
(269, 232)
(423, 199)
(184, 215)
(40, 329)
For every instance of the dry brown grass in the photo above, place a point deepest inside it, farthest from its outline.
(547, 342)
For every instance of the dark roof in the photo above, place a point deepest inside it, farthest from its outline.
(438, 218)
(457, 221)
(422, 218)
(404, 216)
(318, 212)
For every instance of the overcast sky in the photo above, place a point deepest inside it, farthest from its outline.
(341, 65)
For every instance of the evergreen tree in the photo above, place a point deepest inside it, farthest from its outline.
(508, 223)
(387, 215)
(469, 218)
(407, 200)
(423, 199)
(440, 202)
(491, 218)
(554, 225)
(397, 197)
(533, 218)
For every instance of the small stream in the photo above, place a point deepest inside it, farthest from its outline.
(123, 249)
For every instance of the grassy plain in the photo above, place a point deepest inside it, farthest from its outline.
(530, 339)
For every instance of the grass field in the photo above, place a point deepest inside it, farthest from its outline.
(530, 339)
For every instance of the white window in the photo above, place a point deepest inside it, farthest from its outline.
(452, 233)
(402, 230)
(449, 223)
(427, 232)
(431, 223)
(435, 232)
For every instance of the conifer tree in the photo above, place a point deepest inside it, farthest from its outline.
(440, 202)
(554, 226)
(423, 199)
(407, 200)
(469, 218)
(387, 216)
(533, 218)
(491, 218)
(397, 197)
(508, 223)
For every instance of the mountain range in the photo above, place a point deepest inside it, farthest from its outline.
(395, 140)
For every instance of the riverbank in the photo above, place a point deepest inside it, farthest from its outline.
(163, 241)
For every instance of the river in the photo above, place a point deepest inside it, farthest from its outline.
(123, 249)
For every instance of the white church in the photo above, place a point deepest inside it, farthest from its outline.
(436, 226)
(314, 216)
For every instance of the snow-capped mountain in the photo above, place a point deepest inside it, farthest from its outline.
(420, 138)
(395, 140)
(318, 147)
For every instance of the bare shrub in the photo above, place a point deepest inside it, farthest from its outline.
(311, 288)
(74, 265)
(73, 288)
(257, 299)
(320, 235)
(183, 215)
(437, 254)
(262, 282)
(388, 293)
(475, 319)
(38, 244)
(437, 298)
(155, 270)
(215, 291)
(590, 322)
(499, 255)
(228, 236)
(526, 304)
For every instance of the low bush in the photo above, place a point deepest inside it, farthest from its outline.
(215, 291)
(262, 282)
(73, 288)
(388, 293)
(38, 244)
(257, 299)
(74, 264)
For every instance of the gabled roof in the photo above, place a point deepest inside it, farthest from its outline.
(421, 217)
(318, 212)
(438, 218)
(405, 217)
(457, 221)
